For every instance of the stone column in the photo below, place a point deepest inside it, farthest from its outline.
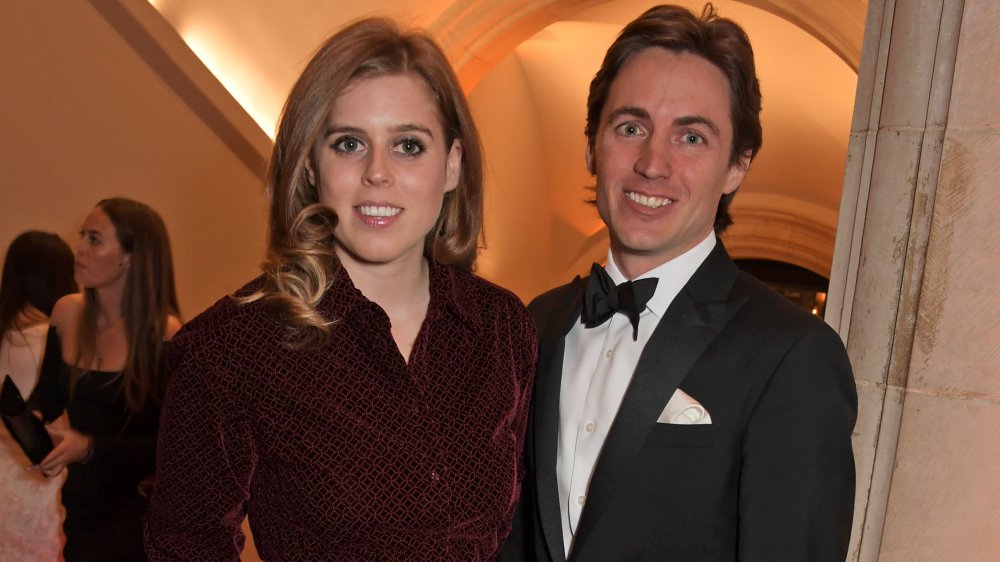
(913, 288)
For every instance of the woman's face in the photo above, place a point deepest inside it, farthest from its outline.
(100, 260)
(382, 163)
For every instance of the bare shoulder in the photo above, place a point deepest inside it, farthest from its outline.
(173, 326)
(66, 312)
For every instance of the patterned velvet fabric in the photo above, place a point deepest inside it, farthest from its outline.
(349, 452)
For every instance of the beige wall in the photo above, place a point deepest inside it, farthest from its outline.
(913, 288)
(87, 114)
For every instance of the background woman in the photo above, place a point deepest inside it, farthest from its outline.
(103, 367)
(37, 271)
(366, 397)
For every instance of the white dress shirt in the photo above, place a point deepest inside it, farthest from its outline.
(597, 368)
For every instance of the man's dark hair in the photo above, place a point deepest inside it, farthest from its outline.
(718, 40)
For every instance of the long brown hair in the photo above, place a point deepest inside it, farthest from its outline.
(149, 300)
(301, 263)
(37, 271)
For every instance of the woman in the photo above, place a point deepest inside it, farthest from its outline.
(37, 271)
(366, 397)
(103, 367)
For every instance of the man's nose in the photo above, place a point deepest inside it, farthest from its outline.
(654, 159)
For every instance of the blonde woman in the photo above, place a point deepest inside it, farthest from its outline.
(366, 397)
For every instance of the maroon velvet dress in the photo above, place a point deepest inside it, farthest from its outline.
(348, 452)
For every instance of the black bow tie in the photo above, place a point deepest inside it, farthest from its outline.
(603, 298)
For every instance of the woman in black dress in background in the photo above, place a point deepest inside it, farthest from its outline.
(102, 366)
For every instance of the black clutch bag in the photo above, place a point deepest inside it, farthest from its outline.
(28, 431)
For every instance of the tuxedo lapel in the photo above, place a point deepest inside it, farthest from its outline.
(690, 324)
(554, 322)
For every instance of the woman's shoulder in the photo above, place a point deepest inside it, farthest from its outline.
(66, 312)
(174, 325)
(473, 290)
(227, 318)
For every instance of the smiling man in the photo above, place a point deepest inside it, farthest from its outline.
(683, 410)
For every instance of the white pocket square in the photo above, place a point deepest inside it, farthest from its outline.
(684, 410)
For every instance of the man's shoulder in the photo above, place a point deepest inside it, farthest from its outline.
(556, 299)
(776, 321)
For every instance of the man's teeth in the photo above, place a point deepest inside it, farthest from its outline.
(646, 201)
(378, 211)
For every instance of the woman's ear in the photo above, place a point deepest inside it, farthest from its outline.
(310, 173)
(453, 171)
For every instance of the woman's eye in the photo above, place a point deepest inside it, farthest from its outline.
(348, 145)
(409, 147)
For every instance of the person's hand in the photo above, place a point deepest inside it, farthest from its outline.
(71, 446)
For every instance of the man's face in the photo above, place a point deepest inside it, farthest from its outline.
(661, 156)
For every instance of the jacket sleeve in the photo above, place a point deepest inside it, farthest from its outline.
(205, 460)
(797, 478)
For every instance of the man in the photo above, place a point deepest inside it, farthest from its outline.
(713, 421)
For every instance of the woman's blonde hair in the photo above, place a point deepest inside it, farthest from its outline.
(301, 263)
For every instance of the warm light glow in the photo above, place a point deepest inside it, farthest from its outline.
(237, 80)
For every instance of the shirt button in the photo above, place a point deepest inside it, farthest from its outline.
(589, 427)
(580, 500)
(609, 353)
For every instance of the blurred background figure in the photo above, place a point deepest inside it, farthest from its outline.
(102, 365)
(37, 271)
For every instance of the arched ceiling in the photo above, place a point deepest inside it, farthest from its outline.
(807, 57)
(258, 47)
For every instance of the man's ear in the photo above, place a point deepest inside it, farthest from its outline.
(737, 172)
(453, 170)
(589, 156)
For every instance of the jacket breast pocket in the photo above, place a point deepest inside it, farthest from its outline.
(684, 436)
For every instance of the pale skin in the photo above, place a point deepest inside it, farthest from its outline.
(661, 155)
(384, 166)
(102, 265)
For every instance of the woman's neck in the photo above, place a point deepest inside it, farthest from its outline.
(402, 290)
(391, 286)
(109, 305)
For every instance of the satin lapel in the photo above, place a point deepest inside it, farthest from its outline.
(691, 323)
(552, 341)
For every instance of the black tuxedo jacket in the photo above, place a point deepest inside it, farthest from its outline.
(772, 478)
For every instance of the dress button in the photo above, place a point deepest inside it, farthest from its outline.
(609, 353)
(589, 427)
(580, 500)
(435, 477)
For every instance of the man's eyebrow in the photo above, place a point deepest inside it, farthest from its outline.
(697, 120)
(630, 111)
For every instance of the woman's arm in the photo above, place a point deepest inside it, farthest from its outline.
(205, 459)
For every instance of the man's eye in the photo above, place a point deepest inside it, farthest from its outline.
(347, 145)
(629, 129)
(693, 138)
(410, 147)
